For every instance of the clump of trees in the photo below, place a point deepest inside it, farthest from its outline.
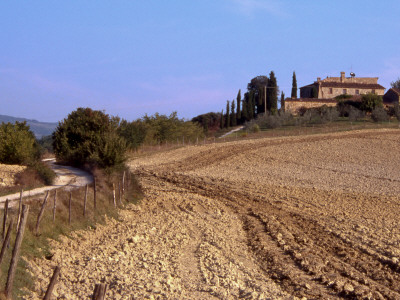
(17, 144)
(91, 137)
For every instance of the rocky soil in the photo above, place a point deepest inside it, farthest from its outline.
(297, 217)
(7, 174)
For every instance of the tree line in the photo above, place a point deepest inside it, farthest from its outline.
(260, 98)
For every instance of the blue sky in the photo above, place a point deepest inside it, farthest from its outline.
(130, 58)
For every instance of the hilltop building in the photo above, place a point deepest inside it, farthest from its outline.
(391, 97)
(323, 92)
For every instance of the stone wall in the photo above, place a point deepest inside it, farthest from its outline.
(293, 105)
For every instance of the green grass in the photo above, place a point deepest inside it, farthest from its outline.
(37, 246)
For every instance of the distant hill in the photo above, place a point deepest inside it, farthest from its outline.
(40, 129)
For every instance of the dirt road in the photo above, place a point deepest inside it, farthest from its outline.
(66, 177)
(313, 216)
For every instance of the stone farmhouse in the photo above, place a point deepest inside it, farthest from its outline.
(391, 97)
(323, 92)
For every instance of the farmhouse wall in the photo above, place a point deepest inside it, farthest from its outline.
(293, 105)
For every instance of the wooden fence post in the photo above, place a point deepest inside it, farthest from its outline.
(119, 193)
(114, 201)
(99, 292)
(5, 219)
(85, 201)
(19, 208)
(16, 250)
(52, 284)
(123, 183)
(6, 240)
(94, 193)
(54, 206)
(41, 212)
(69, 208)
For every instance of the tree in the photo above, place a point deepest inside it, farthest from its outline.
(238, 112)
(283, 101)
(272, 94)
(233, 113)
(228, 119)
(17, 144)
(371, 101)
(222, 119)
(395, 84)
(89, 136)
(257, 85)
(134, 133)
(245, 115)
(294, 86)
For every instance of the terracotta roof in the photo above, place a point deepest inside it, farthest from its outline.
(373, 86)
(397, 91)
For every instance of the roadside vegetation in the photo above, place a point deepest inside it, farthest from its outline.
(18, 146)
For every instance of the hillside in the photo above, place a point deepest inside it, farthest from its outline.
(40, 129)
(312, 216)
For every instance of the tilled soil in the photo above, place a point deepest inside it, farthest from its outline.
(312, 216)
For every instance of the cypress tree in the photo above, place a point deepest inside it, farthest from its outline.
(250, 106)
(238, 113)
(221, 125)
(283, 101)
(294, 86)
(272, 94)
(233, 114)
(245, 115)
(228, 119)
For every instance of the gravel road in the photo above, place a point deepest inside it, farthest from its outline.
(311, 217)
(66, 177)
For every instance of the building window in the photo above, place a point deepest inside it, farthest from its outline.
(330, 91)
(344, 91)
(357, 92)
(373, 92)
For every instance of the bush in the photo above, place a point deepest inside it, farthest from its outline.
(88, 136)
(45, 173)
(17, 144)
(355, 114)
(396, 111)
(371, 101)
(328, 114)
(255, 128)
(379, 114)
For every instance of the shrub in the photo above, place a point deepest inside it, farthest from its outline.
(396, 110)
(379, 114)
(255, 128)
(328, 114)
(17, 144)
(88, 136)
(355, 114)
(45, 173)
(370, 101)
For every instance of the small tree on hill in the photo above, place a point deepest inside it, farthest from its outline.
(228, 119)
(395, 84)
(238, 112)
(283, 101)
(89, 136)
(370, 101)
(272, 94)
(294, 86)
(222, 123)
(17, 144)
(233, 113)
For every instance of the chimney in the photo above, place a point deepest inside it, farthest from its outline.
(342, 76)
(318, 79)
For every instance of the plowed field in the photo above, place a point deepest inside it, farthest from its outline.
(312, 216)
